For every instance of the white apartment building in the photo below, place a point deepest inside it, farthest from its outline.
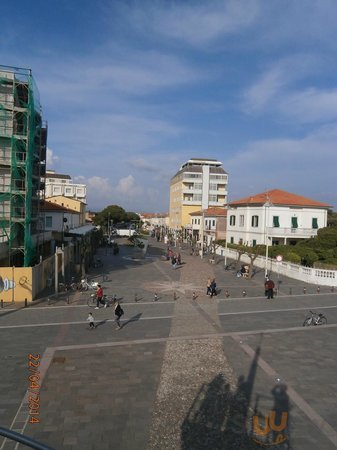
(199, 184)
(274, 217)
(58, 184)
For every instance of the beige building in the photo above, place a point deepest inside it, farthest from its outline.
(199, 184)
(72, 204)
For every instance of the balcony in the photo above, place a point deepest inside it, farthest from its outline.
(292, 232)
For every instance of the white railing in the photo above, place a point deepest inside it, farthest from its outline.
(311, 275)
(289, 232)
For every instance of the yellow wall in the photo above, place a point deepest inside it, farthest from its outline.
(175, 204)
(70, 203)
(15, 284)
(185, 214)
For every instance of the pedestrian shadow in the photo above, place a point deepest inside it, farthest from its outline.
(221, 418)
(102, 322)
(132, 319)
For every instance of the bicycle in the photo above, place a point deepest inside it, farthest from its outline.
(92, 301)
(315, 319)
(85, 285)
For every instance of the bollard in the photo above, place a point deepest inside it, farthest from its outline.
(227, 294)
(304, 290)
(194, 296)
(318, 290)
(290, 291)
(26, 303)
(136, 298)
(68, 300)
(244, 293)
(155, 297)
(275, 291)
(2, 303)
(48, 301)
(174, 296)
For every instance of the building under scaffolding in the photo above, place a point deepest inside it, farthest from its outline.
(23, 142)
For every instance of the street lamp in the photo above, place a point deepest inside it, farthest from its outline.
(202, 234)
(266, 218)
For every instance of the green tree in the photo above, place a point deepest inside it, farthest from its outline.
(114, 213)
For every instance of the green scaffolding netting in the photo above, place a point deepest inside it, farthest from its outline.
(20, 150)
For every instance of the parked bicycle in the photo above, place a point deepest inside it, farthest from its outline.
(315, 319)
(86, 285)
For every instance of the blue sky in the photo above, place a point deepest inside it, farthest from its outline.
(132, 89)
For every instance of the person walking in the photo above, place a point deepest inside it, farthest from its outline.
(269, 288)
(91, 321)
(213, 288)
(99, 296)
(118, 313)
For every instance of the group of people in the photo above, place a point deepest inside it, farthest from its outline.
(175, 258)
(117, 308)
(211, 287)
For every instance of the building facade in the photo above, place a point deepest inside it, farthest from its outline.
(209, 225)
(199, 184)
(274, 217)
(58, 184)
(72, 204)
(23, 143)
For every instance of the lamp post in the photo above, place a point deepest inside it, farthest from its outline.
(202, 235)
(267, 205)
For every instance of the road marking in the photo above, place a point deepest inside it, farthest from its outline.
(98, 320)
(34, 308)
(275, 310)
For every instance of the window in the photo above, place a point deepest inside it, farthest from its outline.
(232, 240)
(276, 222)
(214, 223)
(49, 221)
(314, 222)
(254, 242)
(242, 220)
(232, 220)
(255, 221)
(294, 223)
(68, 190)
(213, 186)
(212, 198)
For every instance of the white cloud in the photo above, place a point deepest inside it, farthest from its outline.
(51, 158)
(310, 105)
(127, 186)
(271, 87)
(143, 164)
(197, 23)
(304, 166)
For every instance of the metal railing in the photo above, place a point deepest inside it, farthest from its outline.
(22, 439)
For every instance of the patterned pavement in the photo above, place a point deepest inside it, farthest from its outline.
(181, 373)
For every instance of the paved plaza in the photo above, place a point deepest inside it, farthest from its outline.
(236, 371)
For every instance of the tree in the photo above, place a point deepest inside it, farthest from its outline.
(114, 213)
(332, 219)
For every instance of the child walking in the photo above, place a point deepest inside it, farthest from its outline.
(91, 321)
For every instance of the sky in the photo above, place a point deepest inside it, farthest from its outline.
(133, 89)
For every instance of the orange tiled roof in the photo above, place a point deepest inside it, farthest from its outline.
(210, 212)
(49, 206)
(279, 197)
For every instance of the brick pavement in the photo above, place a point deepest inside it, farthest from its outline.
(182, 381)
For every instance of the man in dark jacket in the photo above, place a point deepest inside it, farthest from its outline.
(269, 288)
